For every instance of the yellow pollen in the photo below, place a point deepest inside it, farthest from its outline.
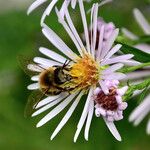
(85, 72)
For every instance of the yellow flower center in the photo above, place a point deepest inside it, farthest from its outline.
(85, 72)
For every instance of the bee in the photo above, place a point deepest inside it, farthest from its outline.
(51, 81)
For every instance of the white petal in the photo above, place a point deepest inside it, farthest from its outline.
(35, 68)
(141, 20)
(143, 47)
(100, 4)
(148, 127)
(83, 16)
(48, 11)
(33, 86)
(113, 51)
(122, 90)
(113, 76)
(113, 68)
(68, 30)
(104, 2)
(46, 62)
(67, 115)
(139, 110)
(58, 43)
(49, 99)
(34, 5)
(96, 91)
(100, 44)
(35, 78)
(109, 43)
(129, 34)
(141, 117)
(74, 31)
(56, 110)
(95, 13)
(48, 106)
(91, 31)
(89, 119)
(137, 75)
(84, 115)
(117, 59)
(64, 7)
(73, 3)
(130, 62)
(52, 55)
(104, 87)
(113, 130)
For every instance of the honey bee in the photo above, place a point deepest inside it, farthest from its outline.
(52, 82)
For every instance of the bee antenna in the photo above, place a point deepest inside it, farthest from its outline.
(66, 63)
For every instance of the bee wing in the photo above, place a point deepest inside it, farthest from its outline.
(26, 64)
(33, 100)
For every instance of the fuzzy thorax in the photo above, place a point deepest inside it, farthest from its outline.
(85, 72)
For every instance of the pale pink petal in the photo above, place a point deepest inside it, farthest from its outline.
(129, 34)
(141, 20)
(109, 43)
(104, 87)
(112, 68)
(115, 49)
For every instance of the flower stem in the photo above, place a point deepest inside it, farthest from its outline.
(133, 68)
(133, 88)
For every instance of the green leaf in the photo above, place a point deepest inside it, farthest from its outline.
(138, 54)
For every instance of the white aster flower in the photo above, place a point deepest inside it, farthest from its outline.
(49, 8)
(86, 70)
(144, 108)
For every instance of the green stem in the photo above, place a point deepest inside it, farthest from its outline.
(131, 69)
(132, 88)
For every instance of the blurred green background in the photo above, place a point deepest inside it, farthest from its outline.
(20, 34)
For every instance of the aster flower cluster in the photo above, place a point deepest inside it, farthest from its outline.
(98, 70)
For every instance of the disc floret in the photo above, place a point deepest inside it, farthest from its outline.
(110, 106)
(85, 72)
